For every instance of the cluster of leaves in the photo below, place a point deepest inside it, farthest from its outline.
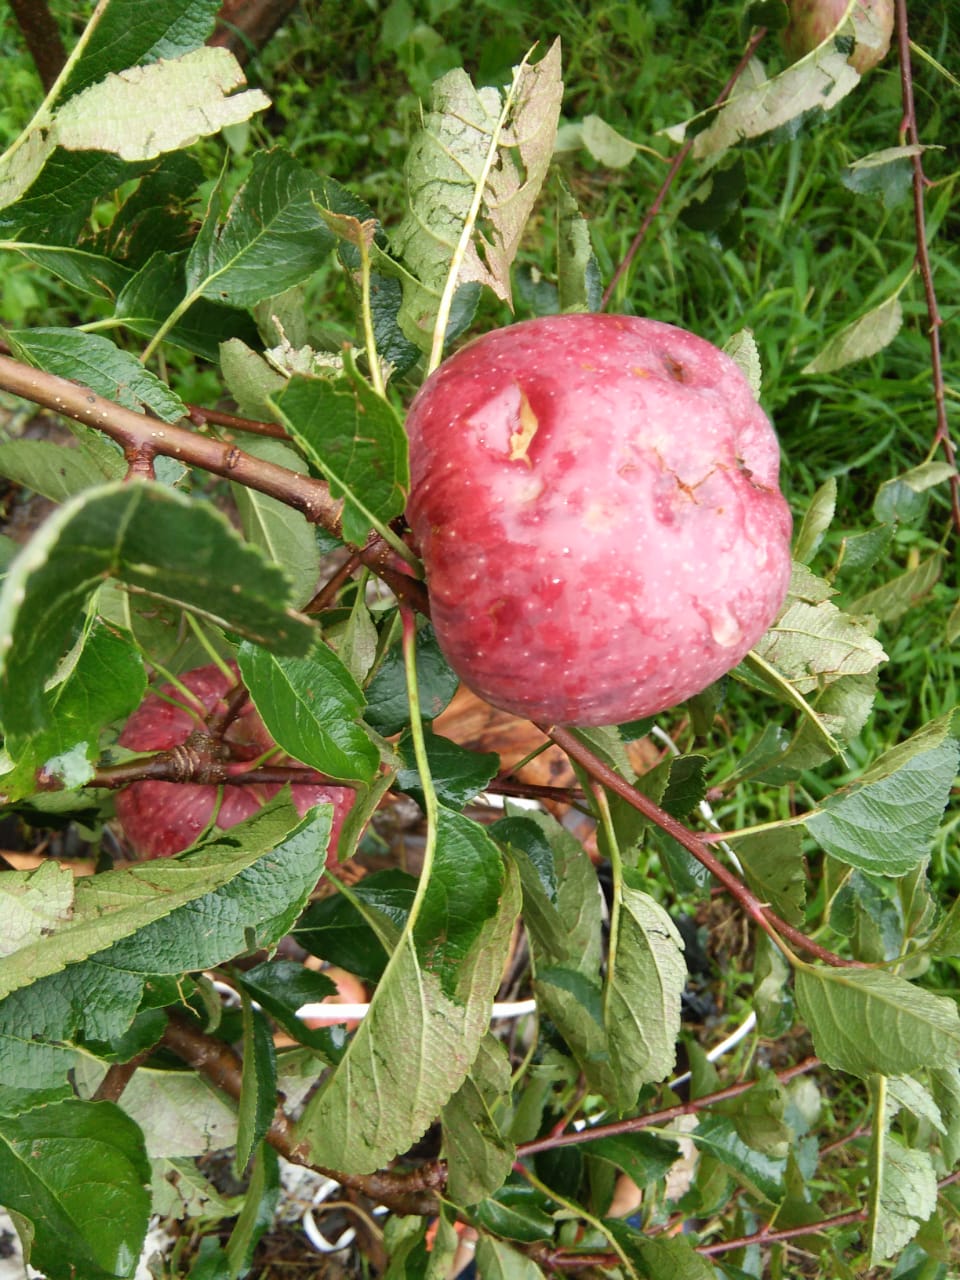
(130, 576)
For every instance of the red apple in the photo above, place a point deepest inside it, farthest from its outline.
(595, 499)
(163, 818)
(812, 21)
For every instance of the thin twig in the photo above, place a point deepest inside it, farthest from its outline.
(328, 592)
(777, 929)
(766, 1236)
(909, 131)
(200, 416)
(674, 169)
(635, 1123)
(219, 720)
(178, 766)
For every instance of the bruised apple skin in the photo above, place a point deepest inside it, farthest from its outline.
(160, 819)
(595, 499)
(812, 21)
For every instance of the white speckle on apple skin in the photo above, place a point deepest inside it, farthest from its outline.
(639, 548)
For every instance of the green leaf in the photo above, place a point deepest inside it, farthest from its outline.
(281, 986)
(869, 1022)
(258, 1088)
(518, 1213)
(644, 1157)
(562, 905)
(180, 1192)
(562, 910)
(841, 711)
(99, 364)
(425, 1020)
(178, 1113)
(311, 706)
(144, 111)
(360, 934)
(659, 1258)
(49, 195)
(885, 821)
(945, 1088)
(862, 550)
(92, 273)
(861, 339)
(152, 538)
(718, 1135)
(773, 865)
(158, 289)
(815, 83)
(252, 381)
(48, 1160)
(887, 173)
(902, 593)
(272, 238)
(479, 1157)
(258, 1213)
(903, 1187)
(477, 154)
(115, 906)
(105, 681)
(903, 497)
(772, 994)
(906, 1093)
(126, 34)
(356, 440)
(816, 521)
(463, 895)
(53, 471)
(458, 774)
(33, 904)
(167, 916)
(157, 215)
(742, 349)
(388, 707)
(646, 975)
(284, 535)
(812, 642)
(497, 1260)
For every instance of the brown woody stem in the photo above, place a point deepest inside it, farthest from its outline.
(414, 1192)
(910, 131)
(139, 435)
(770, 923)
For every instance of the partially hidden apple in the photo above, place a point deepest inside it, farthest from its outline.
(812, 21)
(596, 501)
(163, 818)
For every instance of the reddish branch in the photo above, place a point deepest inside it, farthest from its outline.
(200, 417)
(245, 26)
(635, 1123)
(674, 169)
(910, 133)
(181, 764)
(770, 923)
(42, 36)
(143, 438)
(413, 1192)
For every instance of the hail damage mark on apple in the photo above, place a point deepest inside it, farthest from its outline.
(641, 547)
(520, 439)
